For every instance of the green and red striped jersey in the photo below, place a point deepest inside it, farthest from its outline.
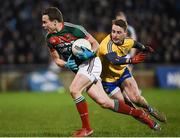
(66, 38)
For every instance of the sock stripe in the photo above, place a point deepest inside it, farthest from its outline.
(79, 99)
(150, 109)
(116, 105)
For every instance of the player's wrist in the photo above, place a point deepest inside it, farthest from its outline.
(129, 60)
(93, 54)
(66, 65)
(87, 55)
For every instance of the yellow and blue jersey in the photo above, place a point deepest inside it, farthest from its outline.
(110, 71)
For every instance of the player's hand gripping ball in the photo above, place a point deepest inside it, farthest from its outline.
(81, 48)
(76, 47)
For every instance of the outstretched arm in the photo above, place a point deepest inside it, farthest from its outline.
(116, 60)
(142, 48)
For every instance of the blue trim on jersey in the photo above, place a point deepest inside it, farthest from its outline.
(110, 86)
(115, 59)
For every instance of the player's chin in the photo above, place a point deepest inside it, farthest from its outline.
(45, 29)
(116, 41)
(49, 31)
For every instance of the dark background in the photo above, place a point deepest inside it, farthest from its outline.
(22, 41)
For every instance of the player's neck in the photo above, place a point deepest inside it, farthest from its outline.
(59, 27)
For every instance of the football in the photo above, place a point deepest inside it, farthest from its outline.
(76, 47)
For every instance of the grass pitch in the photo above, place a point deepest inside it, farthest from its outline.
(28, 114)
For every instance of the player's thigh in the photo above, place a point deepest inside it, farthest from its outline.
(130, 87)
(97, 93)
(79, 83)
(88, 73)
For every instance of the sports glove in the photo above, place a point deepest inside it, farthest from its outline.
(148, 49)
(85, 54)
(71, 64)
(140, 57)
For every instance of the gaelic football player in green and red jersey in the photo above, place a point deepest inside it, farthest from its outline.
(86, 66)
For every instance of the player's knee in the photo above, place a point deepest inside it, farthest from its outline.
(135, 98)
(133, 94)
(73, 91)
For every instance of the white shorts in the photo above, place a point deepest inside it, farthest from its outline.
(128, 55)
(91, 68)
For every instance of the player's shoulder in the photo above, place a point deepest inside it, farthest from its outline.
(105, 40)
(104, 43)
(68, 24)
(129, 40)
(48, 38)
(75, 26)
(103, 48)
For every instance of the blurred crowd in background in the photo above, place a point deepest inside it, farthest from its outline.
(22, 41)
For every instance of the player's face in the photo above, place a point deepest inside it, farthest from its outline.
(117, 34)
(48, 25)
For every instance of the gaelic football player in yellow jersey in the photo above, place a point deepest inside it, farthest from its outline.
(116, 77)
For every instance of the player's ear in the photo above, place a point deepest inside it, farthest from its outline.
(55, 22)
(125, 33)
(61, 25)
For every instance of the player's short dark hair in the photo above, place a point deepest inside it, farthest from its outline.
(120, 23)
(54, 14)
